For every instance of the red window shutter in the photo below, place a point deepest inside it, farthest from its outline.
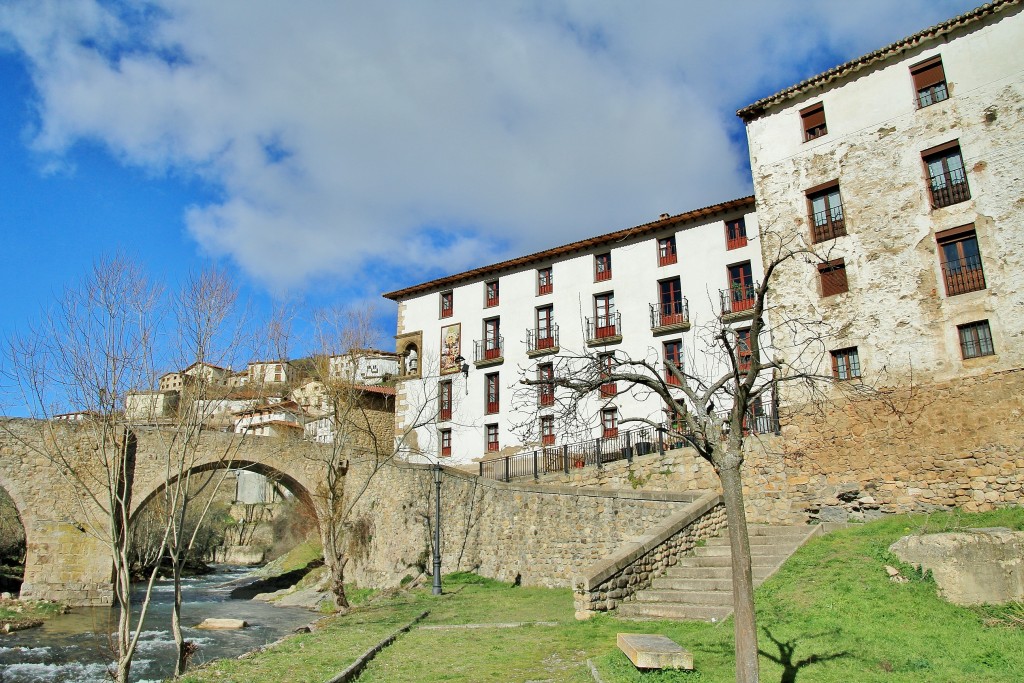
(928, 73)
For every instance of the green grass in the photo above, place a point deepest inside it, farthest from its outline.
(830, 615)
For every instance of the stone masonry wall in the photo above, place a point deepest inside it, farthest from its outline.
(957, 443)
(538, 535)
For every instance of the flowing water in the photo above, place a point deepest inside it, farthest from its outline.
(76, 647)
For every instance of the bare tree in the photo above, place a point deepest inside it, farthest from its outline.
(84, 357)
(207, 338)
(708, 402)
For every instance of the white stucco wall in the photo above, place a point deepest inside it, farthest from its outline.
(702, 269)
(897, 311)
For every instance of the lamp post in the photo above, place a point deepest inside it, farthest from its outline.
(437, 529)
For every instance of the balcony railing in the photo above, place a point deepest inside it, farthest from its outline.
(488, 349)
(828, 224)
(626, 445)
(670, 314)
(949, 188)
(540, 340)
(545, 395)
(604, 327)
(963, 275)
(738, 299)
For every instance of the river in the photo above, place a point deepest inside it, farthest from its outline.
(75, 647)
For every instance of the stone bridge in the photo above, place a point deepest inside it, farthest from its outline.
(67, 531)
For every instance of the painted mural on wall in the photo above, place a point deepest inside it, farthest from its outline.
(451, 348)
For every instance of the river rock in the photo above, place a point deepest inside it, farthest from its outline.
(970, 567)
(223, 624)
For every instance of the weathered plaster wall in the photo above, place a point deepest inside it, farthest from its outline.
(540, 535)
(897, 311)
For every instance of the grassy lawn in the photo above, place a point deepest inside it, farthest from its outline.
(830, 615)
(18, 614)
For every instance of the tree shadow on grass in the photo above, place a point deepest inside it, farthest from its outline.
(787, 649)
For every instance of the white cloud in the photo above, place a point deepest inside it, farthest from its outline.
(338, 131)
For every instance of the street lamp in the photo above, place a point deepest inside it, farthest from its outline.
(437, 529)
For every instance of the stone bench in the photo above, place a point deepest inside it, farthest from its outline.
(649, 651)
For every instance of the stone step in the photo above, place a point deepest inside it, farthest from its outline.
(681, 571)
(717, 598)
(672, 610)
(755, 550)
(756, 541)
(726, 560)
(684, 584)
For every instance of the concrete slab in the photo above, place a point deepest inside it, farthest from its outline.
(649, 651)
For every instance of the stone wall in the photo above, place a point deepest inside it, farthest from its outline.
(620, 576)
(535, 534)
(935, 446)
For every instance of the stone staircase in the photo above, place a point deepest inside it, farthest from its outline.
(699, 587)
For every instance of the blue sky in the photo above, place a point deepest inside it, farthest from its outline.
(324, 153)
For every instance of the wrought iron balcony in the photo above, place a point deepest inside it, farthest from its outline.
(963, 275)
(828, 224)
(738, 300)
(604, 329)
(949, 187)
(541, 341)
(488, 351)
(670, 316)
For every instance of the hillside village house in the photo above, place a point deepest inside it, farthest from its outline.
(901, 172)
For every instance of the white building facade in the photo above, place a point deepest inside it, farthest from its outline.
(647, 292)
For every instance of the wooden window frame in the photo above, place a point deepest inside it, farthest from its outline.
(545, 320)
(667, 254)
(606, 362)
(492, 338)
(547, 430)
(834, 224)
(977, 335)
(832, 278)
(445, 399)
(491, 437)
(492, 394)
(546, 391)
(966, 273)
(545, 281)
(846, 364)
(735, 233)
(603, 267)
(446, 298)
(930, 86)
(604, 301)
(672, 352)
(743, 353)
(609, 423)
(446, 443)
(670, 302)
(954, 186)
(812, 120)
(491, 294)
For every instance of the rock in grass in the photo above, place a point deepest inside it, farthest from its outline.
(223, 624)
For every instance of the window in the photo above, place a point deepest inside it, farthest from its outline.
(833, 277)
(741, 287)
(545, 283)
(606, 363)
(603, 267)
(604, 315)
(547, 430)
(447, 304)
(846, 363)
(975, 339)
(446, 443)
(492, 339)
(491, 391)
(961, 260)
(546, 391)
(826, 213)
(947, 179)
(929, 81)
(670, 302)
(743, 354)
(545, 330)
(735, 233)
(667, 250)
(444, 390)
(492, 437)
(813, 119)
(609, 423)
(672, 352)
(491, 296)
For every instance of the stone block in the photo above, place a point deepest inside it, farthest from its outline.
(650, 651)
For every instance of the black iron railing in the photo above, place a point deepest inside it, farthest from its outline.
(949, 187)
(963, 275)
(600, 451)
(738, 299)
(669, 313)
(828, 224)
(604, 327)
(488, 349)
(542, 339)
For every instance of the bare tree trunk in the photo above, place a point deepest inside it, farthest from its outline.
(179, 639)
(742, 577)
